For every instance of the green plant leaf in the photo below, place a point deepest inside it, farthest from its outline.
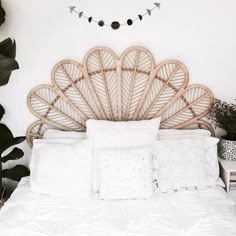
(2, 14)
(7, 65)
(3, 193)
(13, 142)
(7, 60)
(7, 139)
(8, 48)
(2, 111)
(5, 134)
(16, 173)
(15, 154)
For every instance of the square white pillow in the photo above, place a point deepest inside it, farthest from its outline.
(61, 169)
(124, 134)
(125, 174)
(115, 134)
(183, 163)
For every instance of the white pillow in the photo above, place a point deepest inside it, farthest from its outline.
(124, 134)
(211, 152)
(51, 140)
(164, 134)
(125, 174)
(58, 134)
(183, 163)
(61, 169)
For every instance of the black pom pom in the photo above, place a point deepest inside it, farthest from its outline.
(90, 19)
(115, 25)
(101, 23)
(140, 17)
(129, 22)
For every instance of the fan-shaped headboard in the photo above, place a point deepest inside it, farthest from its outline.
(108, 87)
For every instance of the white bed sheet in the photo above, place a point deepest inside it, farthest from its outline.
(206, 212)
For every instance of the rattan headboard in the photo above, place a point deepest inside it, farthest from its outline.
(108, 87)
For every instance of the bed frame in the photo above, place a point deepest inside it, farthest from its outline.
(108, 87)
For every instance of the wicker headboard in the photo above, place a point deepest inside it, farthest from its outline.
(108, 87)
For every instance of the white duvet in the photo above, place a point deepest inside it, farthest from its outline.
(206, 212)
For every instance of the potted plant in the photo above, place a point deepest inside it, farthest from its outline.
(224, 116)
(7, 140)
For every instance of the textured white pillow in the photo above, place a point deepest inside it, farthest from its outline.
(125, 174)
(164, 134)
(211, 152)
(58, 134)
(61, 169)
(183, 163)
(110, 134)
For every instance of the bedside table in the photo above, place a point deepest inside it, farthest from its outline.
(228, 173)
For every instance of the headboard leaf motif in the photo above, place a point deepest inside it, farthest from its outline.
(108, 87)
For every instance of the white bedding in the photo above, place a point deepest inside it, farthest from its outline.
(206, 212)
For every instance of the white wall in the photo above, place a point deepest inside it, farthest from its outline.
(200, 33)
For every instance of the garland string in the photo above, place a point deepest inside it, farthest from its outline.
(115, 24)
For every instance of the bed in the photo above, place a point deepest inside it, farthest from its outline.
(205, 212)
(130, 88)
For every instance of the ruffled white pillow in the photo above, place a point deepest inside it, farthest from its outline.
(183, 163)
(165, 134)
(211, 151)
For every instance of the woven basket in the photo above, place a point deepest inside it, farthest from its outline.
(227, 149)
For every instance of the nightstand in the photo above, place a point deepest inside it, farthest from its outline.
(228, 174)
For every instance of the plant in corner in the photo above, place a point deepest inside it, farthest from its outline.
(224, 116)
(7, 140)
